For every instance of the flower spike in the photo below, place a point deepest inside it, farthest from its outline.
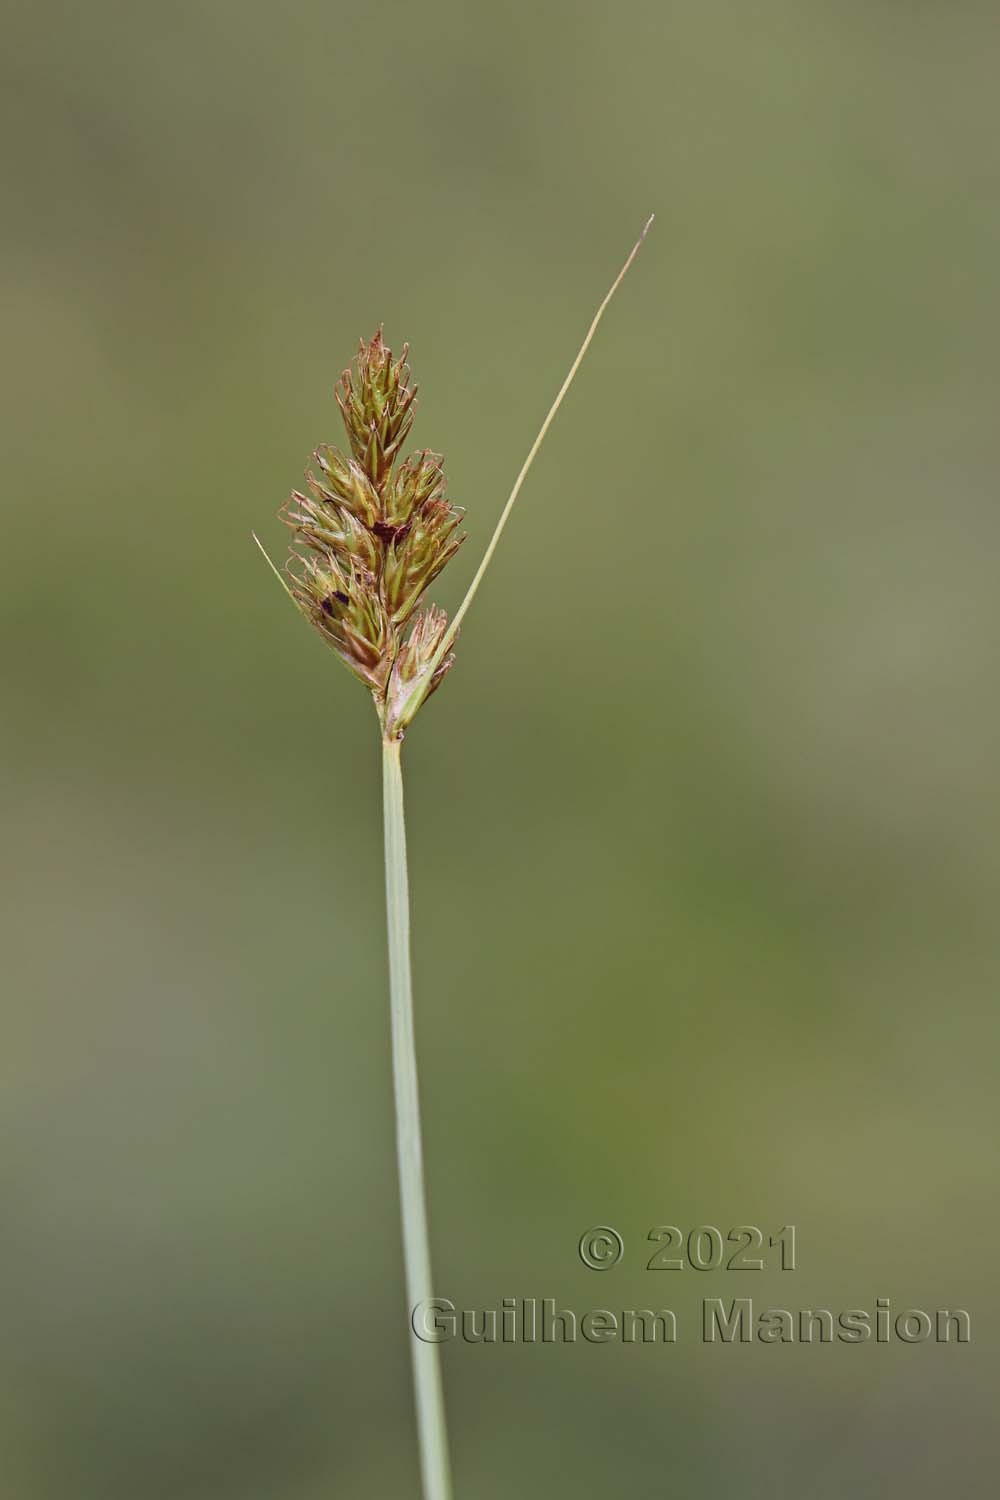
(371, 534)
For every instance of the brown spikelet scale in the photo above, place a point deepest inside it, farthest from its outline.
(371, 533)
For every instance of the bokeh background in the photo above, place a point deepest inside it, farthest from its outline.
(704, 834)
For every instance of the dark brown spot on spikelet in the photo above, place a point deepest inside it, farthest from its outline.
(371, 534)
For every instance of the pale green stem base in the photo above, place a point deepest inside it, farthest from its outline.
(431, 1430)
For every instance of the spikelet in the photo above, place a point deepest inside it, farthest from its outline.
(371, 533)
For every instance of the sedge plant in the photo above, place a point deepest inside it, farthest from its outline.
(371, 533)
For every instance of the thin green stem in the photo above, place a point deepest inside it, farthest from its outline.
(431, 1429)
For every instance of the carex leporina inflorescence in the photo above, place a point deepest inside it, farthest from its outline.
(371, 534)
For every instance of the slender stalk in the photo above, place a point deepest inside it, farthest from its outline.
(431, 1429)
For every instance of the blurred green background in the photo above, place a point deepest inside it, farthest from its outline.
(704, 835)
